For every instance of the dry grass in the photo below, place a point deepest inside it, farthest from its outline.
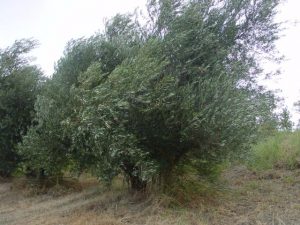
(272, 198)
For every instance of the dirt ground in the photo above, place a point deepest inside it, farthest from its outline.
(245, 198)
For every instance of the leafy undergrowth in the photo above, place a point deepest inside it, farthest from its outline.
(242, 197)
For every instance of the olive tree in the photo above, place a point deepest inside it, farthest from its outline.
(20, 83)
(188, 94)
(143, 100)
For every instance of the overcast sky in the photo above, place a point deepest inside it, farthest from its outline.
(54, 22)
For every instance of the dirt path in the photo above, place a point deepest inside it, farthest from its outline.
(15, 209)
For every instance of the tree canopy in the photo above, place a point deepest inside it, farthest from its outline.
(143, 100)
(19, 85)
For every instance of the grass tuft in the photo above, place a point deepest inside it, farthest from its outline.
(279, 151)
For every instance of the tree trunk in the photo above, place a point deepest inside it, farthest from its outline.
(137, 184)
(135, 181)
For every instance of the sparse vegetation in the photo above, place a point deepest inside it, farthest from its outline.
(242, 197)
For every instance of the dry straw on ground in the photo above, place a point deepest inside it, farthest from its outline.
(272, 198)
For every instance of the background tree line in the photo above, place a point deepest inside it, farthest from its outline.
(141, 100)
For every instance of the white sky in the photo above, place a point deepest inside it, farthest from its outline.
(289, 46)
(54, 22)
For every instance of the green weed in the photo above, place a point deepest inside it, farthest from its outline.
(279, 151)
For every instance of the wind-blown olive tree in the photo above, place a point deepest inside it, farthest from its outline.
(19, 85)
(189, 93)
(47, 149)
(143, 100)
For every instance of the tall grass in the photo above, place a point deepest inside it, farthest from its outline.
(281, 150)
